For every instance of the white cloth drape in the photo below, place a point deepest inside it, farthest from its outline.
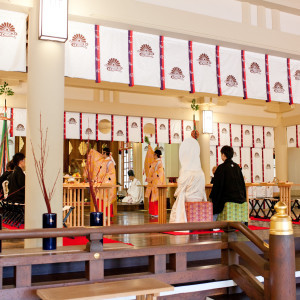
(258, 137)
(12, 41)
(163, 131)
(19, 121)
(72, 125)
(120, 128)
(80, 51)
(134, 129)
(291, 133)
(295, 79)
(236, 155)
(236, 135)
(187, 129)
(268, 165)
(269, 137)
(257, 165)
(191, 181)
(88, 123)
(247, 140)
(176, 131)
(246, 163)
(214, 137)
(224, 132)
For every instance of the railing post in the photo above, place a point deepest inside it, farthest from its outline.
(282, 255)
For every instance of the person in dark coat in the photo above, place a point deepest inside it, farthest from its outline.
(228, 184)
(16, 181)
(9, 168)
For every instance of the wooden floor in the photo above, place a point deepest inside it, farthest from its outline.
(144, 240)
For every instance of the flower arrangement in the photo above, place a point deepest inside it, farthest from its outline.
(40, 164)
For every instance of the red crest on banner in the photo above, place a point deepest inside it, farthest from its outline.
(78, 40)
(231, 81)
(113, 65)
(7, 30)
(146, 51)
(204, 60)
(254, 68)
(278, 87)
(176, 73)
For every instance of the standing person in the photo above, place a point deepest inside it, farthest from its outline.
(134, 193)
(107, 174)
(229, 184)
(191, 181)
(9, 169)
(16, 180)
(156, 176)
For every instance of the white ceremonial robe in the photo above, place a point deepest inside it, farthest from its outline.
(134, 193)
(191, 188)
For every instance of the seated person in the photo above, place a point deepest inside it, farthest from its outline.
(16, 179)
(134, 193)
(9, 168)
(228, 184)
(191, 181)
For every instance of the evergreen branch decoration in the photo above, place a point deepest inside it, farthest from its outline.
(194, 106)
(147, 140)
(4, 89)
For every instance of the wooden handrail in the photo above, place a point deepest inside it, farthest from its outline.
(81, 231)
(258, 242)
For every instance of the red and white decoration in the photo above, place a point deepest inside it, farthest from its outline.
(175, 132)
(114, 55)
(214, 137)
(236, 155)
(146, 65)
(119, 126)
(88, 126)
(278, 79)
(255, 76)
(295, 80)
(213, 158)
(268, 170)
(12, 41)
(268, 137)
(134, 129)
(162, 130)
(187, 129)
(231, 72)
(80, 51)
(236, 135)
(106, 133)
(258, 137)
(176, 61)
(247, 139)
(151, 136)
(224, 134)
(246, 163)
(257, 174)
(292, 137)
(19, 121)
(72, 125)
(204, 65)
(218, 155)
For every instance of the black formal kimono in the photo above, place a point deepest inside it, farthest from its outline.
(16, 185)
(228, 186)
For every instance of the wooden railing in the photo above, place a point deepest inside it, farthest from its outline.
(168, 263)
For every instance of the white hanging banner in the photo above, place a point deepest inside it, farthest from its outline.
(80, 51)
(278, 79)
(187, 129)
(104, 127)
(224, 132)
(247, 140)
(246, 163)
(268, 165)
(219, 158)
(176, 59)
(231, 72)
(146, 66)
(204, 64)
(236, 155)
(257, 175)
(255, 75)
(134, 129)
(236, 135)
(295, 79)
(88, 126)
(114, 55)
(213, 158)
(72, 125)
(176, 132)
(291, 133)
(19, 121)
(120, 128)
(12, 41)
(149, 129)
(258, 138)
(162, 131)
(269, 137)
(214, 137)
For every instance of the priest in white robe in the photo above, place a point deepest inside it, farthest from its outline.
(191, 181)
(135, 192)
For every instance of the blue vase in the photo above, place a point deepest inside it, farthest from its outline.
(96, 219)
(49, 221)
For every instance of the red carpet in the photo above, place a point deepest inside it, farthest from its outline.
(268, 220)
(251, 227)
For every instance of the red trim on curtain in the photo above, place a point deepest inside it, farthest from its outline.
(290, 81)
(191, 64)
(97, 53)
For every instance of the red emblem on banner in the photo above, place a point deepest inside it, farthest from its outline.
(278, 87)
(162, 127)
(20, 127)
(231, 81)
(176, 73)
(72, 121)
(7, 30)
(113, 65)
(78, 40)
(254, 68)
(146, 51)
(120, 133)
(297, 75)
(134, 125)
(204, 60)
(88, 131)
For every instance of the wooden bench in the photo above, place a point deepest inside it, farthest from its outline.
(148, 288)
